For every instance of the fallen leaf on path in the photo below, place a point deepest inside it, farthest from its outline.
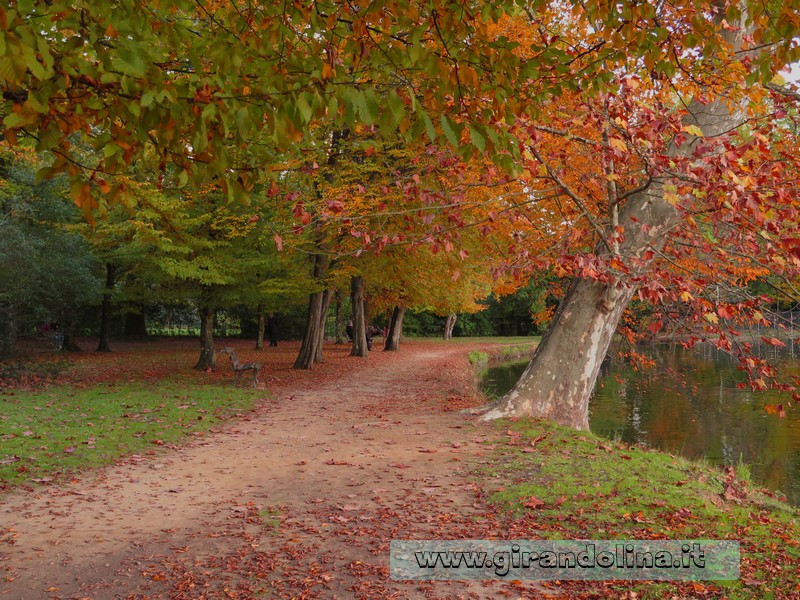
(333, 461)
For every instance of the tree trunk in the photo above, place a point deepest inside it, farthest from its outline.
(135, 326)
(208, 356)
(317, 304)
(8, 329)
(70, 344)
(262, 326)
(392, 341)
(359, 318)
(341, 336)
(323, 318)
(105, 310)
(561, 376)
(449, 324)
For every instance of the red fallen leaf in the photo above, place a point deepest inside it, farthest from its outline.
(253, 219)
(533, 502)
(537, 439)
(560, 501)
(349, 507)
(333, 461)
(400, 466)
(69, 450)
(427, 450)
(752, 582)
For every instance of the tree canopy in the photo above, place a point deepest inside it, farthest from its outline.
(639, 150)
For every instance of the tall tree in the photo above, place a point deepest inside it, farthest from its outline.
(630, 119)
(663, 160)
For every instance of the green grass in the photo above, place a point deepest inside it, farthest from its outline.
(476, 357)
(50, 434)
(580, 486)
(271, 519)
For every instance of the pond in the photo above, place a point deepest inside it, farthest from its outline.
(689, 404)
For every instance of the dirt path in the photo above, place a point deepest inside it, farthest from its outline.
(299, 499)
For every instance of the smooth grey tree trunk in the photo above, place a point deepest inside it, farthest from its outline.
(262, 327)
(310, 349)
(341, 335)
(359, 317)
(562, 374)
(323, 318)
(449, 324)
(392, 341)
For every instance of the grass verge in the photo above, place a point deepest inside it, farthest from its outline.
(49, 434)
(574, 485)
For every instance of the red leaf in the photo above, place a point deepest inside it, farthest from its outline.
(725, 312)
(773, 342)
(279, 242)
(533, 502)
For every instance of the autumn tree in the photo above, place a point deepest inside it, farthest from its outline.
(636, 122)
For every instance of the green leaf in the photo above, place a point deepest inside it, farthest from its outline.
(371, 105)
(129, 63)
(396, 105)
(478, 139)
(304, 108)
(17, 120)
(429, 128)
(449, 132)
(148, 97)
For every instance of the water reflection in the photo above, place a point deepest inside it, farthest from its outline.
(689, 404)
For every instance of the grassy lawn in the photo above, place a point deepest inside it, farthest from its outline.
(49, 434)
(575, 485)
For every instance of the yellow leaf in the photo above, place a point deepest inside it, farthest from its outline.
(693, 130)
(618, 144)
(686, 296)
(711, 317)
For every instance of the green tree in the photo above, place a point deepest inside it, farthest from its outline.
(47, 274)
